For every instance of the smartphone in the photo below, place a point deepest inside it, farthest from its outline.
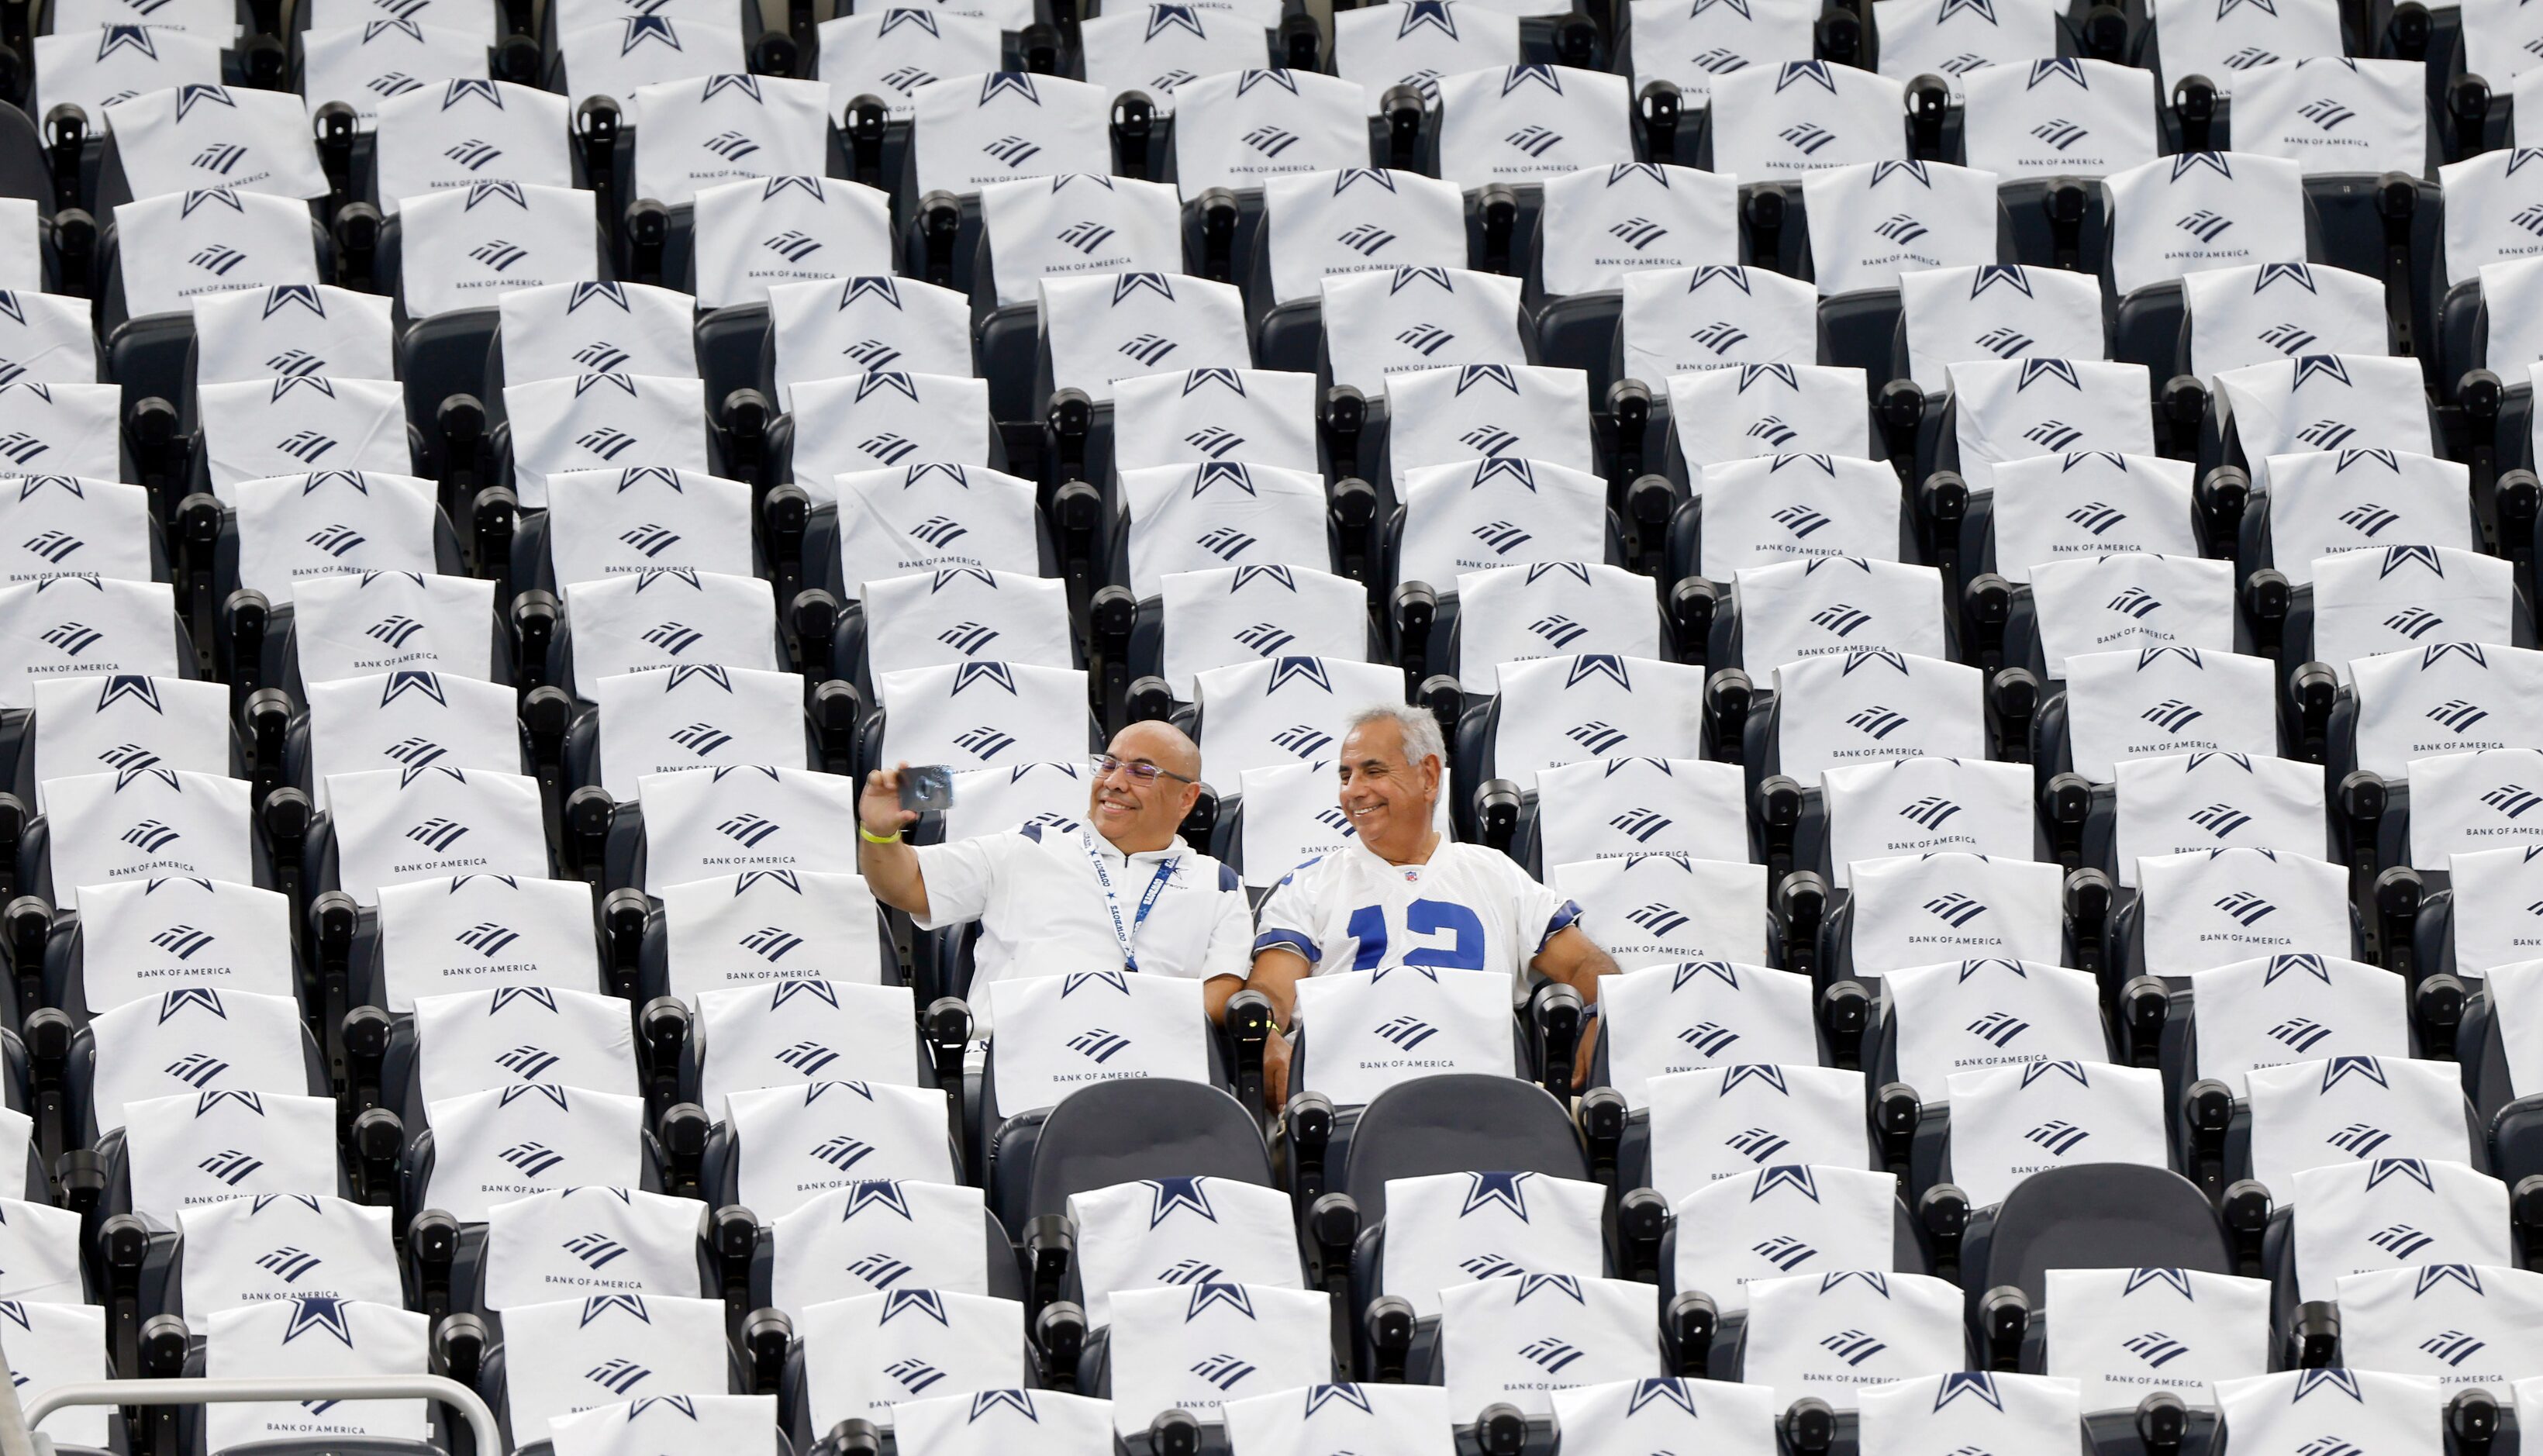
(927, 790)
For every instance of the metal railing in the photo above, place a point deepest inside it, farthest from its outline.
(15, 1424)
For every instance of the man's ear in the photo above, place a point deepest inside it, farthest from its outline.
(1434, 772)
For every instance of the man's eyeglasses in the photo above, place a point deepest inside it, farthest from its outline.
(1145, 773)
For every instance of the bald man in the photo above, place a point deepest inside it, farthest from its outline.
(1124, 892)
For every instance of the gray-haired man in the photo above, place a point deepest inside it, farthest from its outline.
(1399, 893)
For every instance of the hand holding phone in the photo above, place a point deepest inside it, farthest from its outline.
(927, 789)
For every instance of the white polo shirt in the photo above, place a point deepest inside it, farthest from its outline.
(1043, 910)
(1467, 908)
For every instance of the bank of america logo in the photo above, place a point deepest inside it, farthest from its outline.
(336, 540)
(2220, 819)
(290, 1265)
(1270, 141)
(906, 79)
(529, 1063)
(1086, 237)
(1550, 1354)
(150, 836)
(221, 159)
(1536, 141)
(498, 253)
(1191, 1272)
(2005, 343)
(2327, 434)
(1709, 1038)
(843, 1152)
(2246, 908)
(1756, 1144)
(1720, 60)
(231, 1166)
(2301, 1033)
(1900, 228)
(1774, 431)
(1853, 1346)
(532, 1158)
(770, 943)
(474, 154)
(2290, 339)
(607, 443)
(1147, 349)
(1930, 812)
(2054, 435)
(618, 1375)
(1225, 542)
(1492, 1266)
(914, 1374)
(2456, 715)
(1638, 233)
(196, 1069)
(2400, 1240)
(437, 834)
(395, 83)
(733, 146)
(396, 632)
(1877, 721)
(2359, 1140)
(184, 941)
(53, 546)
(1407, 1033)
(2060, 134)
(1598, 738)
(1808, 138)
(2368, 519)
(2204, 225)
(414, 752)
(985, 742)
(600, 356)
(2171, 715)
(881, 1270)
(2415, 623)
(2453, 1346)
(486, 938)
(1841, 617)
(2530, 219)
(293, 363)
(2156, 1348)
(124, 756)
(702, 738)
(2248, 58)
(874, 353)
(2095, 516)
(890, 449)
(596, 1250)
(2137, 602)
(2327, 113)
(1098, 1045)
(1503, 537)
(808, 1058)
(1368, 239)
(1223, 1371)
(2059, 1138)
(1559, 630)
(305, 446)
(217, 260)
(1998, 1029)
(1425, 340)
(72, 638)
(967, 637)
(748, 829)
(1785, 1251)
(1801, 520)
(1641, 823)
(1304, 740)
(674, 638)
(1720, 336)
(2511, 800)
(792, 245)
(1660, 920)
(940, 531)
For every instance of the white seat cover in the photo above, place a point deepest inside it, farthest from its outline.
(573, 1355)
(141, 937)
(494, 1146)
(63, 1345)
(2012, 409)
(101, 724)
(964, 613)
(472, 1040)
(2492, 889)
(1097, 330)
(1660, 909)
(1713, 318)
(1832, 604)
(697, 716)
(2217, 907)
(1057, 1033)
(2001, 916)
(1730, 1120)
(973, 130)
(1488, 410)
(364, 524)
(2445, 698)
(1372, 1029)
(505, 133)
(867, 1238)
(1384, 46)
(572, 1243)
(178, 246)
(1263, 416)
(765, 927)
(2324, 402)
(1156, 48)
(2284, 1412)
(2173, 217)
(1829, 1334)
(2307, 1115)
(795, 1141)
(1995, 311)
(1181, 1231)
(87, 65)
(2177, 802)
(991, 1422)
(865, 422)
(556, 331)
(409, 719)
(1877, 220)
(482, 930)
(1456, 1228)
(864, 1353)
(1384, 324)
(2065, 117)
(604, 421)
(2218, 41)
(1249, 1340)
(2264, 312)
(872, 321)
(702, 132)
(730, 821)
(75, 527)
(279, 1247)
(2016, 1412)
(1283, 710)
(1077, 223)
(682, 1426)
(796, 1032)
(2010, 1122)
(619, 57)
(1565, 710)
(1596, 808)
(45, 339)
(326, 331)
(1689, 45)
(1935, 37)
(2461, 1325)
(2332, 115)
(260, 1143)
(891, 53)
(1926, 804)
(1522, 1339)
(142, 823)
(465, 246)
(652, 620)
(360, 65)
(2090, 503)
(1412, 1420)
(1603, 223)
(1968, 1016)
(2395, 1212)
(1230, 615)
(2268, 1012)
(2126, 704)
(1782, 123)
(1718, 415)
(1873, 705)
(1248, 128)
(1357, 220)
(1527, 123)
(184, 137)
(1763, 510)
(1783, 1221)
(1476, 515)
(2125, 1334)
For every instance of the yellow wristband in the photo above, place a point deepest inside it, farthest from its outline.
(870, 837)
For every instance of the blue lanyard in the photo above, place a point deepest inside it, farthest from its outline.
(1113, 901)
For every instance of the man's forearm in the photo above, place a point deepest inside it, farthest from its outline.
(1275, 976)
(891, 872)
